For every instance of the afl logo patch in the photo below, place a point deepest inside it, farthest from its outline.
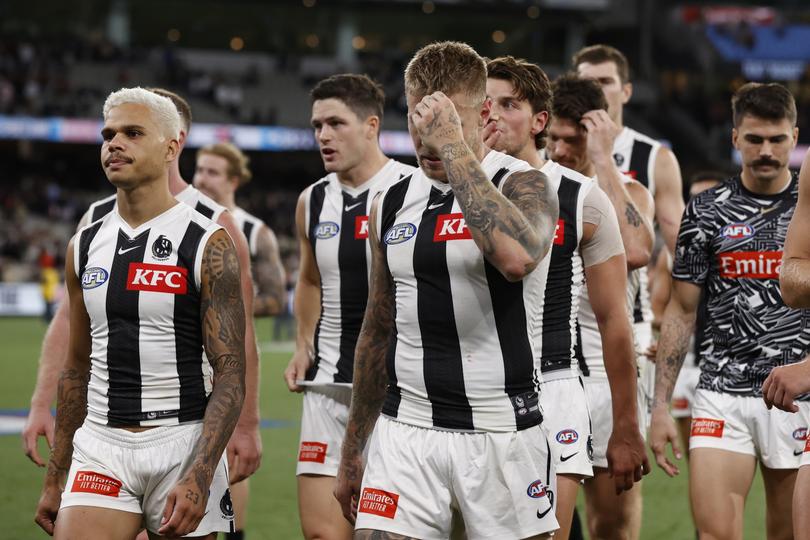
(94, 277)
(567, 436)
(162, 248)
(536, 489)
(800, 434)
(326, 229)
(736, 231)
(401, 232)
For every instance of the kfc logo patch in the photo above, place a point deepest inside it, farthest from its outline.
(99, 484)
(157, 278)
(707, 427)
(559, 233)
(378, 502)
(361, 227)
(314, 452)
(451, 227)
(750, 264)
(737, 231)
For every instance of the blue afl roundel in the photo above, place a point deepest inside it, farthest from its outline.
(326, 229)
(93, 277)
(737, 231)
(567, 436)
(401, 232)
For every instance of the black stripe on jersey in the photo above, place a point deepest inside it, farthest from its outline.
(579, 355)
(499, 176)
(352, 265)
(518, 361)
(390, 205)
(556, 353)
(188, 331)
(638, 313)
(316, 197)
(444, 371)
(204, 209)
(247, 230)
(639, 160)
(85, 239)
(102, 210)
(124, 322)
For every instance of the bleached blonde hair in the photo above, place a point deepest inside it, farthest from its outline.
(163, 110)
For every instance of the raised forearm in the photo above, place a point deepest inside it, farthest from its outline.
(794, 281)
(71, 409)
(52, 358)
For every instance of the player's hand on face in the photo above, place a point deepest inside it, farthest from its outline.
(602, 132)
(662, 432)
(48, 507)
(39, 423)
(490, 134)
(626, 456)
(437, 122)
(296, 370)
(184, 509)
(244, 452)
(785, 383)
(347, 485)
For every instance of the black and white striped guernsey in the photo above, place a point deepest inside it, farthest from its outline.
(557, 335)
(336, 226)
(463, 355)
(190, 196)
(250, 226)
(141, 288)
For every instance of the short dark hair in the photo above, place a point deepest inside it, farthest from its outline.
(358, 92)
(770, 101)
(599, 54)
(530, 83)
(181, 104)
(574, 96)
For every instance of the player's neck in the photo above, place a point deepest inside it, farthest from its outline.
(176, 182)
(765, 187)
(530, 155)
(619, 120)
(369, 166)
(144, 202)
(229, 201)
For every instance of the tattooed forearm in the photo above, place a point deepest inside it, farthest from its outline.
(676, 331)
(526, 211)
(71, 408)
(369, 534)
(268, 273)
(632, 215)
(370, 377)
(223, 326)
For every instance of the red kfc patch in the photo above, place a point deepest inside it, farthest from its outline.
(312, 451)
(680, 404)
(451, 227)
(157, 278)
(559, 233)
(361, 227)
(707, 427)
(378, 502)
(92, 482)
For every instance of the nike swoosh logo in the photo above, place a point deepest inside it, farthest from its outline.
(121, 251)
(763, 211)
(800, 452)
(566, 458)
(350, 208)
(435, 206)
(541, 515)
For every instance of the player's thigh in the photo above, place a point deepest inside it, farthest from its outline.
(801, 504)
(81, 522)
(610, 515)
(779, 488)
(240, 492)
(321, 516)
(719, 481)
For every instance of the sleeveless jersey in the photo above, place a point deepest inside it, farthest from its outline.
(190, 196)
(337, 229)
(730, 243)
(463, 354)
(558, 327)
(141, 288)
(250, 226)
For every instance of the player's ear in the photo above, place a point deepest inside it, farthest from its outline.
(539, 122)
(627, 92)
(372, 126)
(735, 138)
(486, 111)
(172, 150)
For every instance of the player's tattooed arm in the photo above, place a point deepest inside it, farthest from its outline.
(676, 331)
(268, 272)
(370, 376)
(794, 278)
(513, 229)
(222, 318)
(368, 534)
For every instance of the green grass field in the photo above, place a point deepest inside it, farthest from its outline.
(272, 512)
